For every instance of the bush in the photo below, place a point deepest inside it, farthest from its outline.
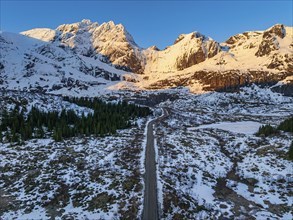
(266, 130)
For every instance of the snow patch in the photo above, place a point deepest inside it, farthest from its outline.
(244, 127)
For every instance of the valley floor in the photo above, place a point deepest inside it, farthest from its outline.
(209, 163)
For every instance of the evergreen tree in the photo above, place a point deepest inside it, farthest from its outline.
(286, 125)
(40, 132)
(266, 130)
(106, 119)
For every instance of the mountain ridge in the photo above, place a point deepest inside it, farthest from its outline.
(108, 53)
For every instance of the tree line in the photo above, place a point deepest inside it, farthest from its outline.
(106, 119)
(268, 130)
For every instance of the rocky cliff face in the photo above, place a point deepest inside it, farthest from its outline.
(269, 41)
(110, 42)
(228, 81)
(187, 50)
(202, 49)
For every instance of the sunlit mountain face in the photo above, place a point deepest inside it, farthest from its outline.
(85, 55)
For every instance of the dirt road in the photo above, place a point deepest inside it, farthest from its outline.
(150, 207)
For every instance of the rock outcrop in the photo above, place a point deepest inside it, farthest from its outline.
(227, 81)
(269, 40)
(202, 49)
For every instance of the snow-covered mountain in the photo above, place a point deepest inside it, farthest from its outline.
(86, 56)
(256, 56)
(117, 45)
(90, 39)
(187, 50)
(30, 64)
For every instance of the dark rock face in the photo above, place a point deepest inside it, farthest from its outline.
(289, 61)
(213, 49)
(181, 37)
(107, 75)
(226, 81)
(190, 58)
(236, 38)
(134, 63)
(269, 40)
(278, 30)
(266, 47)
(278, 62)
(1, 66)
(286, 89)
(128, 60)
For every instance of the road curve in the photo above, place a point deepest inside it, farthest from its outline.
(150, 206)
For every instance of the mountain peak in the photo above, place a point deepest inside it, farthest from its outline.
(108, 25)
(86, 21)
(117, 32)
(112, 26)
(74, 27)
(154, 47)
(190, 36)
(277, 29)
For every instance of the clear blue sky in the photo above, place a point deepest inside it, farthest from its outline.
(151, 22)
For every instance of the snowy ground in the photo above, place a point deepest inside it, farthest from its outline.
(244, 127)
(85, 177)
(93, 178)
(211, 165)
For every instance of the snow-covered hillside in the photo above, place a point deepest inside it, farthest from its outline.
(30, 64)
